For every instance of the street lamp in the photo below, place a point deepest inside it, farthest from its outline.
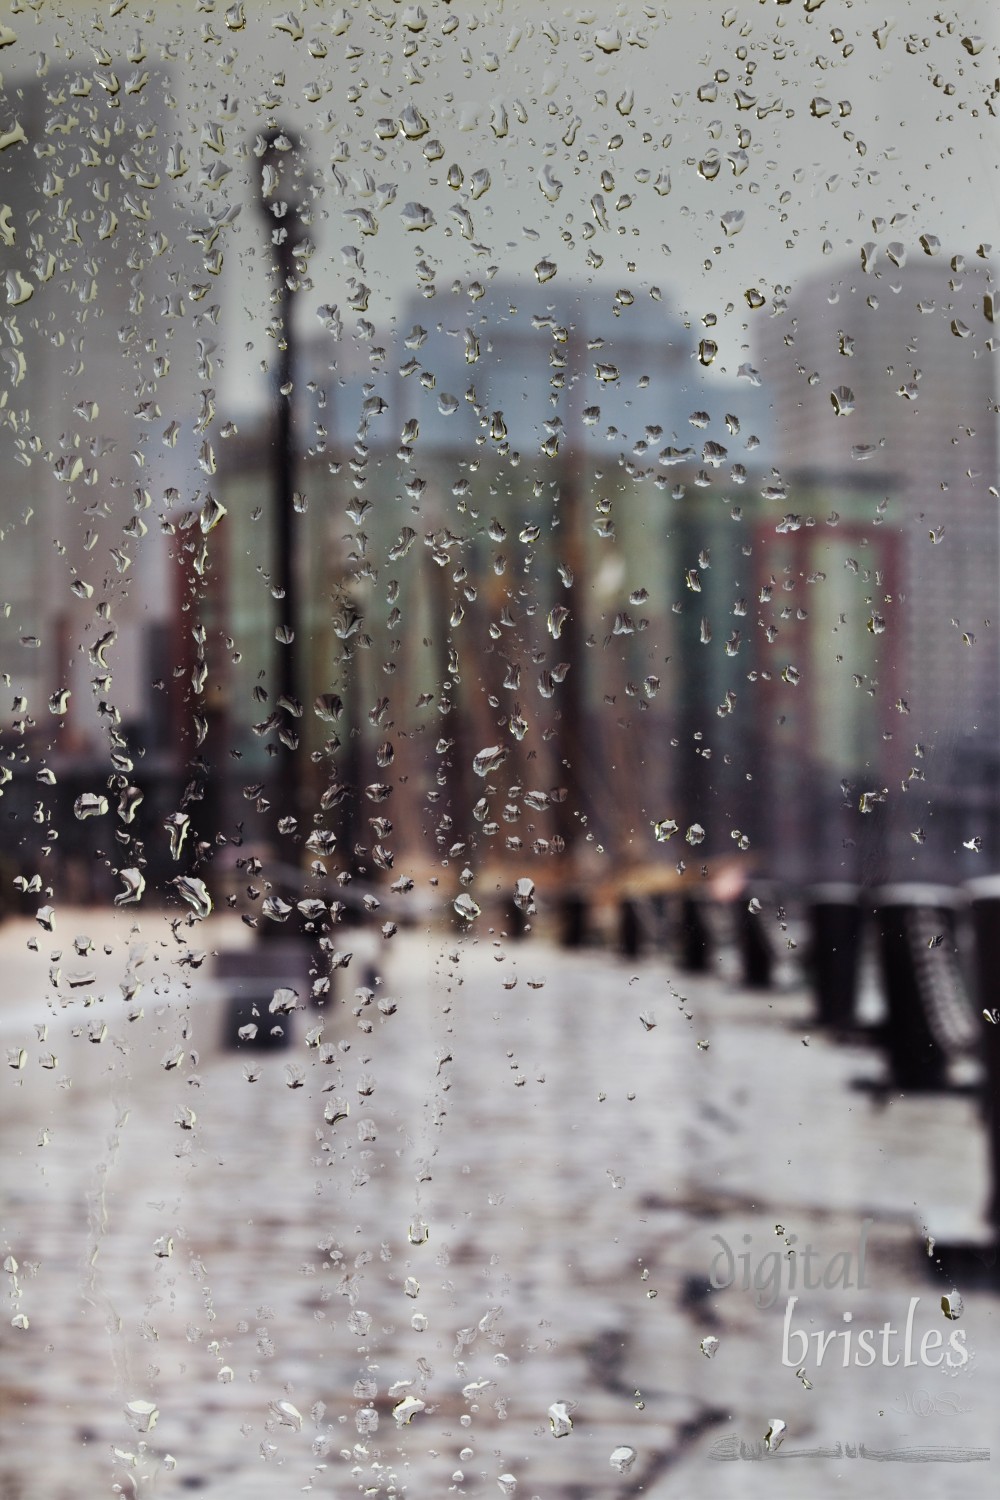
(281, 201)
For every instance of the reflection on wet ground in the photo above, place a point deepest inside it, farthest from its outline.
(464, 1238)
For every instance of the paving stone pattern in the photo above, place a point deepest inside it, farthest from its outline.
(500, 1196)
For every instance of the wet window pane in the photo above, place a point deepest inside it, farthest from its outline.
(498, 748)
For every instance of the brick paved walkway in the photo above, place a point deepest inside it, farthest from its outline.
(252, 1258)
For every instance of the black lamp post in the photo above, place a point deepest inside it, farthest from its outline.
(282, 188)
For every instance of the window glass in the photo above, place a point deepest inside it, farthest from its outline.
(498, 747)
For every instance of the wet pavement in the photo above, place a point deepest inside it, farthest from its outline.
(499, 1192)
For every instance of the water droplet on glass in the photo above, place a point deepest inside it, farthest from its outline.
(195, 893)
(413, 124)
(549, 183)
(90, 805)
(286, 1414)
(557, 619)
(608, 39)
(952, 1305)
(524, 892)
(141, 1415)
(774, 1434)
(489, 760)
(134, 883)
(404, 1411)
(176, 825)
(417, 217)
(560, 1421)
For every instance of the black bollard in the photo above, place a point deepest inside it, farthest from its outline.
(836, 930)
(515, 920)
(756, 950)
(695, 935)
(984, 897)
(929, 1016)
(629, 929)
(573, 923)
(250, 977)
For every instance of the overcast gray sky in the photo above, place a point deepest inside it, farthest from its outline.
(902, 131)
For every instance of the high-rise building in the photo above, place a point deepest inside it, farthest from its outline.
(886, 368)
(100, 435)
(96, 416)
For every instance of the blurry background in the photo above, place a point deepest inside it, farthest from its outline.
(476, 471)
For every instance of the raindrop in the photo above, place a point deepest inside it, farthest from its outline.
(413, 124)
(286, 1414)
(134, 882)
(608, 39)
(774, 1434)
(549, 183)
(141, 1415)
(177, 825)
(622, 1459)
(416, 217)
(283, 1001)
(560, 1421)
(404, 1411)
(952, 1305)
(90, 805)
(556, 620)
(489, 760)
(128, 803)
(524, 892)
(195, 893)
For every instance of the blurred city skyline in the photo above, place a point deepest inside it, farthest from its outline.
(418, 341)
